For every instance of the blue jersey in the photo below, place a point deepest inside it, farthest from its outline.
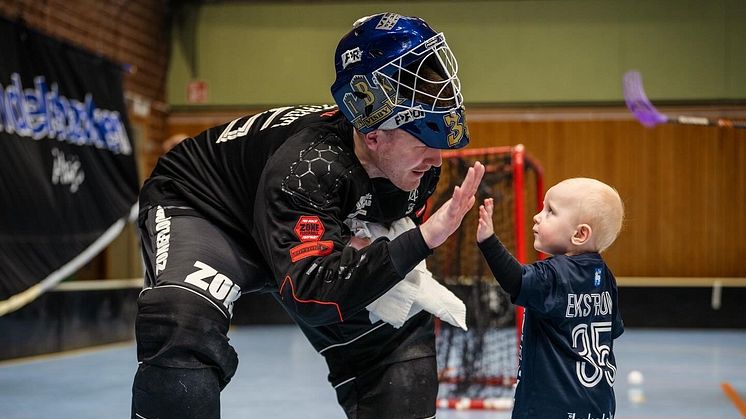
(567, 367)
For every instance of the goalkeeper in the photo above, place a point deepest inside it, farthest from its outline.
(260, 204)
(572, 316)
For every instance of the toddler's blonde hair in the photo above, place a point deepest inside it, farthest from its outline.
(601, 207)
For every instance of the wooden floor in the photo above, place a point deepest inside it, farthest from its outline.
(687, 374)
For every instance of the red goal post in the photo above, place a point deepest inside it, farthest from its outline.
(477, 369)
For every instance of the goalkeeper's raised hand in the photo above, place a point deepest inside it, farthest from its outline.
(448, 217)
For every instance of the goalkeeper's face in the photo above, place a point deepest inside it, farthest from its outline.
(402, 158)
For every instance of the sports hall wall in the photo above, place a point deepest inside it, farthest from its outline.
(555, 51)
(546, 74)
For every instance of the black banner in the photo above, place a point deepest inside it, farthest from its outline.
(68, 178)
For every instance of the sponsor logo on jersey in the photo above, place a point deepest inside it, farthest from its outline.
(297, 113)
(286, 115)
(362, 203)
(597, 278)
(162, 239)
(413, 195)
(307, 249)
(309, 228)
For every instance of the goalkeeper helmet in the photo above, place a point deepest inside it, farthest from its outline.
(396, 72)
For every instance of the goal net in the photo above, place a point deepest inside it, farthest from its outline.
(477, 368)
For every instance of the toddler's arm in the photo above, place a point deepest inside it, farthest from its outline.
(506, 269)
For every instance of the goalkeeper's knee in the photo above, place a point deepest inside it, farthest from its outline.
(185, 358)
(178, 393)
(176, 328)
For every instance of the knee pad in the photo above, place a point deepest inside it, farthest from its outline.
(176, 328)
(177, 393)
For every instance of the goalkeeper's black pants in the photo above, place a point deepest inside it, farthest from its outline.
(402, 390)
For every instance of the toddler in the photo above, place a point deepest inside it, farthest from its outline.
(567, 366)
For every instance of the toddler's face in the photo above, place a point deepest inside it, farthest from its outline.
(555, 225)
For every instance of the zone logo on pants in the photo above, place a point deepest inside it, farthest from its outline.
(218, 285)
(162, 239)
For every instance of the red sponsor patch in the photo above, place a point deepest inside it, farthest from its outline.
(309, 228)
(305, 250)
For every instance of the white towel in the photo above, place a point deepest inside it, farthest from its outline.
(438, 300)
(418, 291)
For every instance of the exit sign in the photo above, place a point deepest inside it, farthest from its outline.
(197, 91)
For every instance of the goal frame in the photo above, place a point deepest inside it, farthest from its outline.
(520, 162)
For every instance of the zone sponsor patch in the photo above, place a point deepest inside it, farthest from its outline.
(316, 248)
(309, 228)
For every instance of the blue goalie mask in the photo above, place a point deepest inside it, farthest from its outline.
(396, 72)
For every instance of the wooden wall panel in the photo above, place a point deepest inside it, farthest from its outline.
(684, 187)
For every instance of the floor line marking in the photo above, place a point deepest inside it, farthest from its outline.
(733, 396)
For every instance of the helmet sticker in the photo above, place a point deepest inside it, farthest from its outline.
(455, 122)
(404, 117)
(362, 98)
(351, 56)
(388, 20)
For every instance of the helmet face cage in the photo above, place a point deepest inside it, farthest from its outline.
(396, 72)
(409, 87)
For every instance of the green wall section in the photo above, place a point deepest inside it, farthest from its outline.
(509, 52)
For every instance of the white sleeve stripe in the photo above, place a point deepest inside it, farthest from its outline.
(228, 135)
(275, 113)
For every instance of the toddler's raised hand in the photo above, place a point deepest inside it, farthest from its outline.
(485, 229)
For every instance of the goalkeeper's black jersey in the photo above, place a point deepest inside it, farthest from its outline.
(284, 181)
